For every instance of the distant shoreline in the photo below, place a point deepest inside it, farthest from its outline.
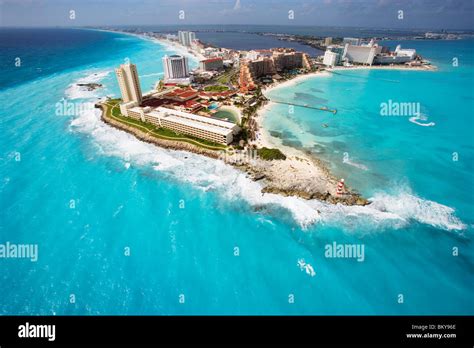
(168, 44)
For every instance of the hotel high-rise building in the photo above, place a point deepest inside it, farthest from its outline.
(186, 38)
(330, 58)
(129, 83)
(175, 67)
(361, 54)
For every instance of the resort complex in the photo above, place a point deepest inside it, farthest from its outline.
(218, 100)
(352, 51)
(268, 63)
(150, 110)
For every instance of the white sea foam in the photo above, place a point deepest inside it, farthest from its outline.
(306, 267)
(410, 207)
(385, 211)
(78, 92)
(393, 211)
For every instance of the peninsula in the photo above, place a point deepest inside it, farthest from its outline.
(214, 110)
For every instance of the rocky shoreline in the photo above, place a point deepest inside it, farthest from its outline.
(90, 86)
(295, 176)
(167, 144)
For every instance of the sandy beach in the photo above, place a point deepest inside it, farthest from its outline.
(294, 81)
(177, 48)
(169, 45)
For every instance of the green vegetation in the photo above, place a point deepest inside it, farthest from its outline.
(229, 76)
(160, 85)
(113, 111)
(216, 88)
(270, 154)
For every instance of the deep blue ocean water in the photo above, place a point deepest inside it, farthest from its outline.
(85, 193)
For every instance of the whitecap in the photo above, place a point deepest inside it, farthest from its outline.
(410, 207)
(306, 267)
(79, 92)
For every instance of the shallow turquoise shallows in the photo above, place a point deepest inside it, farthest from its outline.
(129, 228)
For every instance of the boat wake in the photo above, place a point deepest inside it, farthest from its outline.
(421, 117)
(385, 211)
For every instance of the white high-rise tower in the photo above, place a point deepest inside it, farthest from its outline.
(129, 83)
(186, 38)
(175, 67)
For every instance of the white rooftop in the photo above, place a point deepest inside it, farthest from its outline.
(202, 119)
(171, 115)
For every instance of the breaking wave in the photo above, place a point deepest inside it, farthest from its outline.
(75, 91)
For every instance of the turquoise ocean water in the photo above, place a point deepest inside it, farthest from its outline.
(85, 192)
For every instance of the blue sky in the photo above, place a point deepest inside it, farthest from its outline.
(436, 14)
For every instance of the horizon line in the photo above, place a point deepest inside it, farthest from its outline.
(227, 24)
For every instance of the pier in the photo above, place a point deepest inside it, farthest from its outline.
(320, 108)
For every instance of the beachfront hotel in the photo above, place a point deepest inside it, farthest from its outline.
(176, 69)
(330, 58)
(366, 54)
(217, 131)
(202, 127)
(129, 83)
(260, 63)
